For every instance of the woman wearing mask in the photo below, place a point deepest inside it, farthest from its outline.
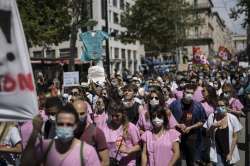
(122, 137)
(161, 140)
(155, 99)
(235, 106)
(223, 128)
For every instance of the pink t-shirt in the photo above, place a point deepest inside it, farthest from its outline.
(159, 150)
(178, 94)
(145, 124)
(208, 109)
(198, 96)
(101, 120)
(54, 158)
(113, 138)
(235, 104)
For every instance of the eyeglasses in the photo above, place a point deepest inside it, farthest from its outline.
(51, 113)
(156, 98)
(64, 124)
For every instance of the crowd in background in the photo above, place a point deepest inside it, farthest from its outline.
(154, 120)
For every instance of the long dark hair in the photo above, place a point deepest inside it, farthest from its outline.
(159, 110)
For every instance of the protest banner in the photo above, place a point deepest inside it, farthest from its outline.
(96, 74)
(18, 99)
(70, 79)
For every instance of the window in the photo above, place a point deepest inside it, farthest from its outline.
(115, 18)
(135, 61)
(127, 5)
(115, 3)
(122, 4)
(66, 52)
(103, 8)
(129, 55)
(116, 53)
(123, 59)
(50, 54)
(38, 54)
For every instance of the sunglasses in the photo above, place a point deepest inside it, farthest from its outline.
(156, 98)
(65, 124)
(51, 113)
(157, 115)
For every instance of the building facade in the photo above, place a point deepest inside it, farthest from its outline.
(240, 46)
(210, 35)
(122, 56)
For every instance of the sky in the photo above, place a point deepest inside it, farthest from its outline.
(223, 8)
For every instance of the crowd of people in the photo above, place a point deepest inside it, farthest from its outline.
(155, 120)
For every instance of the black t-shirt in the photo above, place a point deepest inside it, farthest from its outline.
(222, 142)
(133, 113)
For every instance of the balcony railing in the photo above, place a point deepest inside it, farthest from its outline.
(203, 5)
(200, 36)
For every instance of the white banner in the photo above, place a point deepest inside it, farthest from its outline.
(18, 99)
(70, 78)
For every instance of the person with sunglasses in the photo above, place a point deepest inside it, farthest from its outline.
(223, 128)
(122, 137)
(64, 150)
(161, 140)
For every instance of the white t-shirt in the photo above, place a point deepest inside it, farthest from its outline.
(234, 127)
(12, 138)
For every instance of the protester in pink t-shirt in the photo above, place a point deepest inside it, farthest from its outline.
(155, 99)
(100, 116)
(235, 105)
(122, 137)
(161, 145)
(65, 150)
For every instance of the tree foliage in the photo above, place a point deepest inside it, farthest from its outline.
(48, 22)
(242, 8)
(45, 21)
(159, 24)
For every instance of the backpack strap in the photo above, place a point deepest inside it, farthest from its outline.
(81, 154)
(47, 152)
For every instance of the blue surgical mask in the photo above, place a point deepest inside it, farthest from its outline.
(65, 134)
(221, 109)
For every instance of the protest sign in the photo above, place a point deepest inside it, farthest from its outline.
(96, 74)
(70, 78)
(18, 99)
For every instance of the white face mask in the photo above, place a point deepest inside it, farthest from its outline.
(188, 96)
(154, 102)
(157, 122)
(52, 117)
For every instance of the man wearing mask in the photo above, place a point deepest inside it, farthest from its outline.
(90, 133)
(52, 106)
(132, 107)
(64, 150)
(190, 115)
